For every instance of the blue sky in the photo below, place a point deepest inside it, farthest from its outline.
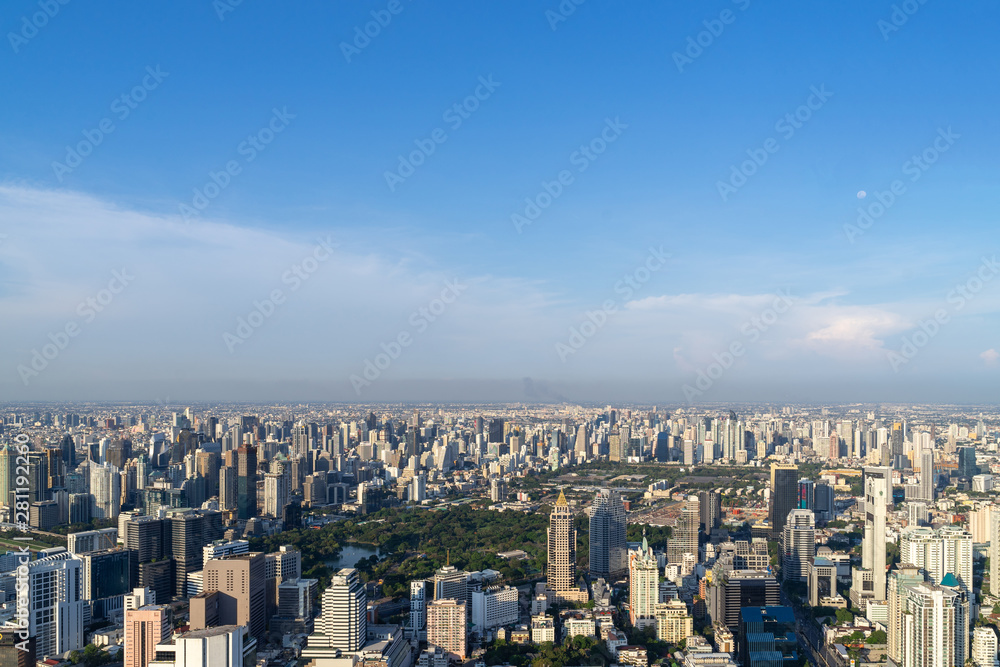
(892, 92)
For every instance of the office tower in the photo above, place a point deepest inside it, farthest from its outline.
(807, 494)
(823, 502)
(207, 465)
(496, 430)
(223, 646)
(710, 503)
(822, 581)
(105, 487)
(420, 594)
(582, 445)
(246, 481)
(190, 531)
(868, 581)
(747, 588)
(896, 446)
(38, 477)
(92, 540)
(784, 495)
(144, 629)
(927, 481)
(344, 623)
(767, 637)
(276, 493)
(67, 451)
(447, 628)
(451, 584)
(967, 467)
(903, 575)
(929, 625)
(689, 451)
(145, 536)
(685, 535)
(241, 586)
(418, 488)
(561, 547)
(158, 576)
(106, 577)
(228, 499)
(643, 585)
(798, 545)
(55, 617)
(608, 557)
(984, 647)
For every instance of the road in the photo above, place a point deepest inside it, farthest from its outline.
(803, 628)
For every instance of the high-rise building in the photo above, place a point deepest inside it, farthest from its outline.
(927, 480)
(967, 467)
(7, 464)
(684, 539)
(747, 588)
(420, 594)
(608, 557)
(929, 626)
(276, 493)
(447, 628)
(710, 504)
(798, 545)
(807, 494)
(343, 623)
(56, 612)
(92, 540)
(190, 531)
(228, 499)
(105, 487)
(493, 608)
(246, 481)
(561, 547)
(144, 629)
(784, 495)
(145, 536)
(868, 581)
(241, 585)
(903, 575)
(643, 585)
(673, 622)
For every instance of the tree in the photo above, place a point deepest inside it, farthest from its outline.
(877, 637)
(844, 617)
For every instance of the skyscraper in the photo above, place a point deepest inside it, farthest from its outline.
(608, 556)
(105, 487)
(903, 575)
(929, 622)
(343, 623)
(561, 547)
(55, 616)
(868, 581)
(643, 585)
(684, 539)
(927, 484)
(242, 587)
(798, 545)
(784, 495)
(246, 481)
(710, 504)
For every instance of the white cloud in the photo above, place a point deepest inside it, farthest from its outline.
(990, 356)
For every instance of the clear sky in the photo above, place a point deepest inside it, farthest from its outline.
(670, 168)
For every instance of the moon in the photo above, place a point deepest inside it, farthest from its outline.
(862, 194)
